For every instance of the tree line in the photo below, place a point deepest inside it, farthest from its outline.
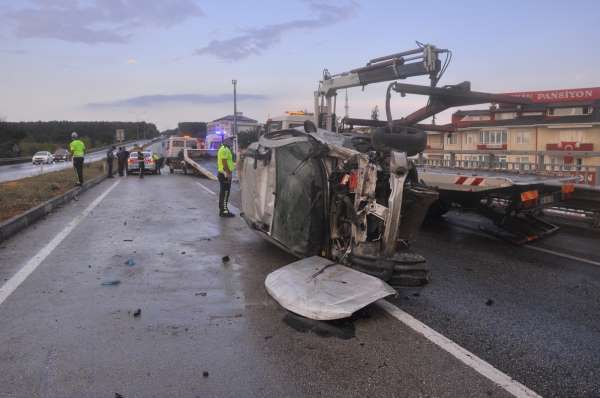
(26, 138)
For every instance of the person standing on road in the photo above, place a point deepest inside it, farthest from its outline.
(141, 165)
(157, 165)
(225, 166)
(110, 159)
(126, 154)
(77, 148)
(120, 161)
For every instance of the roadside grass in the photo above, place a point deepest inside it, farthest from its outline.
(18, 196)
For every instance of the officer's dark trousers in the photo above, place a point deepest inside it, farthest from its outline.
(121, 166)
(78, 165)
(110, 167)
(142, 168)
(225, 187)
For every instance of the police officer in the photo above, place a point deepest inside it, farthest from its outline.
(110, 159)
(121, 160)
(77, 148)
(225, 166)
(141, 165)
(157, 164)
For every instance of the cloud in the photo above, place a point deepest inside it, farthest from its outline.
(13, 52)
(96, 21)
(132, 61)
(164, 99)
(255, 41)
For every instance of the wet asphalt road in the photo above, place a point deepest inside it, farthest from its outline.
(531, 314)
(22, 170)
(207, 328)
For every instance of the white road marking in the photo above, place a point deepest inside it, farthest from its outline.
(503, 380)
(565, 255)
(529, 246)
(210, 191)
(468, 358)
(13, 283)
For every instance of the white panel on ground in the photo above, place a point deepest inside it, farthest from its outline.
(318, 288)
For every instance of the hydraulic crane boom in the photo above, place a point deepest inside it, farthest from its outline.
(417, 62)
(422, 61)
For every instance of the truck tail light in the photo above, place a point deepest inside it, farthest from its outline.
(529, 197)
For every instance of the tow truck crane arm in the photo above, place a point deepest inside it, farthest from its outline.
(417, 62)
(421, 61)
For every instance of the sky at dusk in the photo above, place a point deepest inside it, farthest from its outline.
(166, 61)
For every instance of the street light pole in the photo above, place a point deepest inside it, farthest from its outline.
(234, 82)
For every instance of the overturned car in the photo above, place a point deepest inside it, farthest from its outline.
(349, 201)
(319, 193)
(333, 195)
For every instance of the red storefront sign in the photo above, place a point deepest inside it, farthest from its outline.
(570, 146)
(554, 96)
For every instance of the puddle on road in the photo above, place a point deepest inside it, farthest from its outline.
(342, 328)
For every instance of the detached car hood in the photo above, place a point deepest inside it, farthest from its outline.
(320, 289)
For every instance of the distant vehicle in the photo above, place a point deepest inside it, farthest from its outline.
(42, 157)
(289, 121)
(62, 155)
(176, 144)
(214, 141)
(174, 151)
(133, 163)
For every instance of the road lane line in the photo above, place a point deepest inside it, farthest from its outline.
(473, 231)
(479, 365)
(15, 281)
(565, 255)
(503, 380)
(210, 191)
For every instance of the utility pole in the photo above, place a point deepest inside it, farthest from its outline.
(234, 82)
(346, 107)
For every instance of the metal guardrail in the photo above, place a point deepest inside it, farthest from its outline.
(7, 161)
(25, 159)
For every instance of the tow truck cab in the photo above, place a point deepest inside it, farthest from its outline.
(176, 144)
(290, 120)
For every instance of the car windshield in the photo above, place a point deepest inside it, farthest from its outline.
(40, 153)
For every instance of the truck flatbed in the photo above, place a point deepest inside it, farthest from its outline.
(482, 180)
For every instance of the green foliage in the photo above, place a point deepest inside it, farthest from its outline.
(8, 138)
(247, 137)
(194, 129)
(34, 136)
(29, 148)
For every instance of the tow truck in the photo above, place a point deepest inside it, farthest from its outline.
(348, 203)
(290, 120)
(513, 203)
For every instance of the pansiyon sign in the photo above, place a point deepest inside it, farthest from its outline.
(567, 95)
